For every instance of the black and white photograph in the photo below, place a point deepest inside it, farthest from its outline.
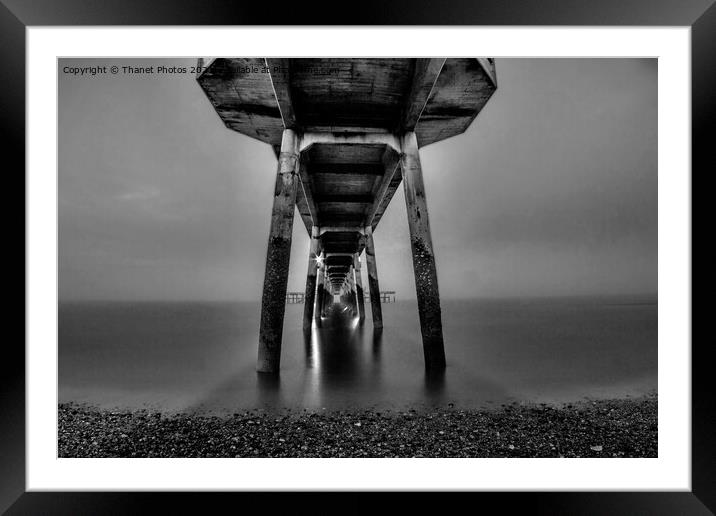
(357, 257)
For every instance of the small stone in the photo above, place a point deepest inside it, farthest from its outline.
(595, 448)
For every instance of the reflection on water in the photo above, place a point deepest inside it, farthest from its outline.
(435, 386)
(202, 356)
(336, 351)
(269, 388)
(377, 342)
(341, 355)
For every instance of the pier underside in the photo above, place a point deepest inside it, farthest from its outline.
(347, 133)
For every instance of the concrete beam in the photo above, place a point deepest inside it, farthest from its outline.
(311, 138)
(341, 229)
(303, 211)
(425, 76)
(373, 285)
(278, 256)
(489, 68)
(346, 170)
(202, 64)
(311, 280)
(308, 192)
(426, 278)
(391, 161)
(344, 129)
(281, 82)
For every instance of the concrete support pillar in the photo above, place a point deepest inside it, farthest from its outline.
(320, 295)
(426, 279)
(273, 301)
(359, 288)
(373, 285)
(326, 298)
(311, 280)
(352, 301)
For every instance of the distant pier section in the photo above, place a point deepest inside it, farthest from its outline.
(298, 298)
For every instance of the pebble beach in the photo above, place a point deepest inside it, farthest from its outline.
(589, 428)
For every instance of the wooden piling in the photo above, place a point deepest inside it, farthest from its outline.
(426, 279)
(373, 285)
(311, 280)
(278, 255)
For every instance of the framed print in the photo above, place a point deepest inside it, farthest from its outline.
(478, 269)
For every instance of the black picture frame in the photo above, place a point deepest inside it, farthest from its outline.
(17, 15)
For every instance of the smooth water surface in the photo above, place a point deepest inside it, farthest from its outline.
(202, 356)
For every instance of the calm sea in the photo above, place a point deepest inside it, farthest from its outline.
(202, 356)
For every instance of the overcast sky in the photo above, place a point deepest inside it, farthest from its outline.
(551, 191)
